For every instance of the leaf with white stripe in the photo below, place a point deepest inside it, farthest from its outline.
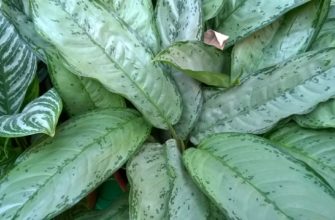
(97, 44)
(266, 97)
(39, 116)
(314, 147)
(17, 68)
(80, 94)
(249, 178)
(85, 151)
(160, 186)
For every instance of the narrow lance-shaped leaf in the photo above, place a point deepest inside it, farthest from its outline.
(17, 68)
(97, 44)
(160, 186)
(241, 18)
(80, 94)
(249, 178)
(315, 148)
(199, 61)
(211, 8)
(288, 36)
(39, 116)
(139, 16)
(267, 96)
(85, 150)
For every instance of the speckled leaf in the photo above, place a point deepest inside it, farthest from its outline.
(199, 61)
(139, 16)
(315, 148)
(17, 68)
(160, 186)
(281, 40)
(80, 94)
(211, 8)
(292, 87)
(248, 178)
(96, 43)
(39, 116)
(241, 18)
(84, 152)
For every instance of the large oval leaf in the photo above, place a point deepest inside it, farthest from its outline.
(160, 186)
(315, 148)
(97, 44)
(250, 179)
(18, 68)
(292, 87)
(241, 18)
(211, 8)
(288, 36)
(80, 94)
(86, 150)
(39, 116)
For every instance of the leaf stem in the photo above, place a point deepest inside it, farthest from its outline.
(180, 142)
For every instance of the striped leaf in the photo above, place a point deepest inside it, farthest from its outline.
(39, 116)
(17, 68)
(288, 36)
(211, 8)
(270, 95)
(161, 188)
(315, 148)
(248, 178)
(80, 94)
(241, 18)
(84, 152)
(97, 44)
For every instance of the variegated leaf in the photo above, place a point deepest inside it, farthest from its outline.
(96, 43)
(85, 150)
(266, 97)
(39, 116)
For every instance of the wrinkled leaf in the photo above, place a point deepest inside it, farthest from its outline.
(197, 60)
(39, 116)
(211, 8)
(86, 151)
(80, 94)
(160, 186)
(97, 44)
(18, 68)
(249, 178)
(315, 148)
(241, 18)
(286, 37)
(292, 87)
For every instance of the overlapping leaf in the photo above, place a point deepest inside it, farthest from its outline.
(292, 87)
(39, 116)
(83, 154)
(96, 43)
(249, 178)
(211, 8)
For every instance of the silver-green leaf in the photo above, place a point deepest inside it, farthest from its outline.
(249, 178)
(85, 150)
(39, 116)
(96, 43)
(211, 8)
(267, 96)
(160, 186)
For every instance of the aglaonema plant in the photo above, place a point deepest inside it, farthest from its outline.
(187, 130)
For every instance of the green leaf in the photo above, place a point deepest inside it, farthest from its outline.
(139, 16)
(315, 148)
(248, 178)
(39, 116)
(97, 44)
(290, 35)
(211, 8)
(17, 68)
(199, 61)
(241, 18)
(33, 92)
(80, 94)
(84, 152)
(267, 96)
(160, 186)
